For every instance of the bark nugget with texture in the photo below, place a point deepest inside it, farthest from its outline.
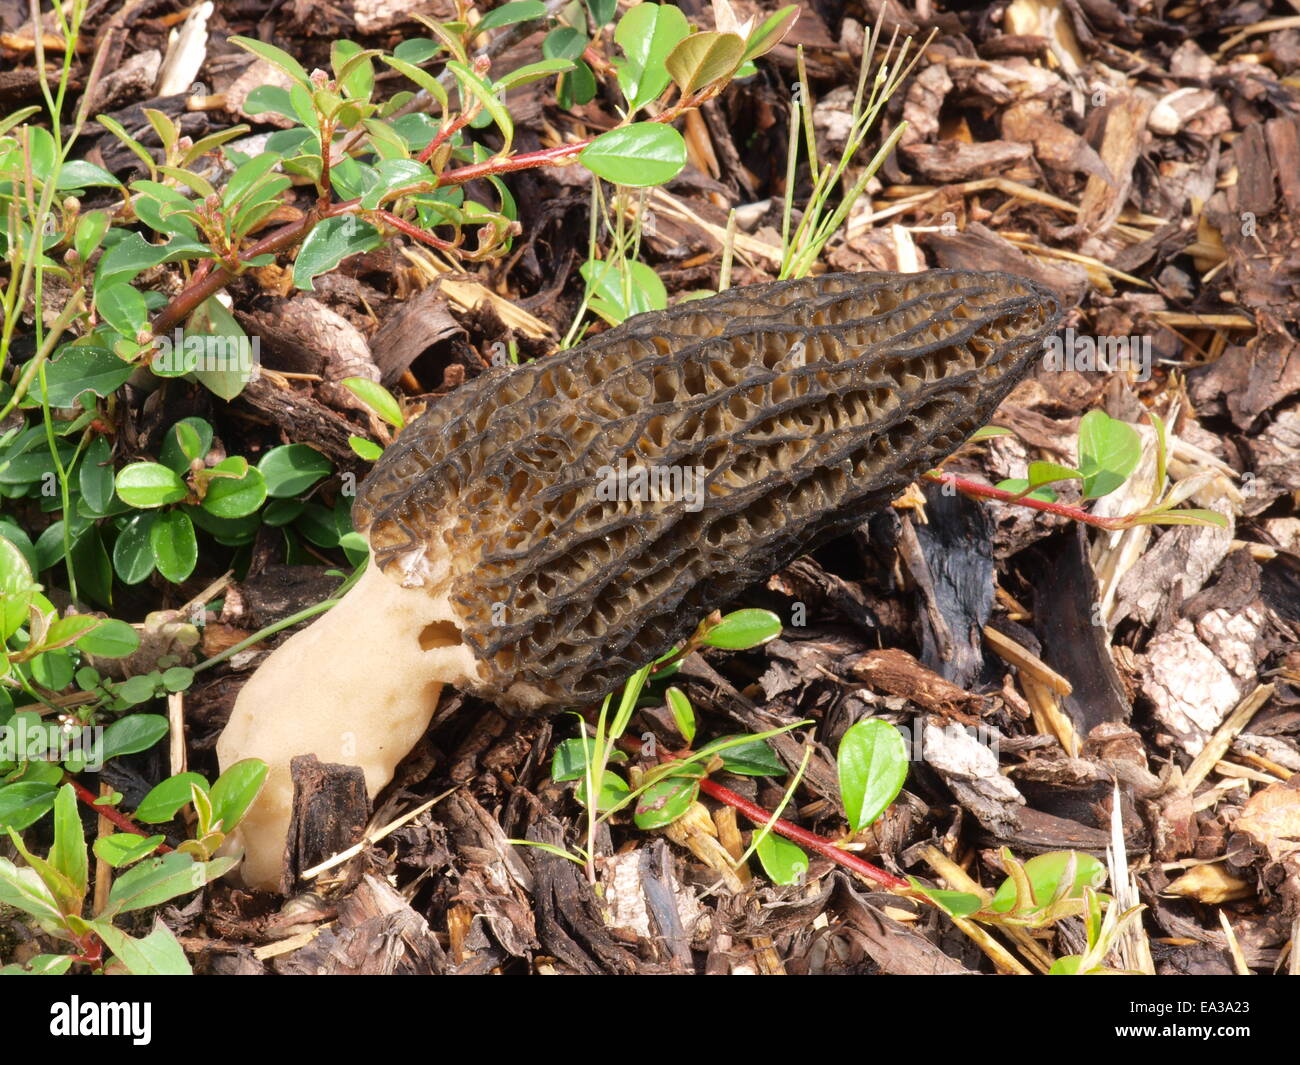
(546, 530)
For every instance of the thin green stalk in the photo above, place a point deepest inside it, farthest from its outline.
(65, 495)
(72, 309)
(284, 623)
(592, 230)
(791, 169)
(728, 251)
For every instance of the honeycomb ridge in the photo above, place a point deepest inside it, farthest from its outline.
(801, 405)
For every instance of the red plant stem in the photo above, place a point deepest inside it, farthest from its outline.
(199, 290)
(987, 491)
(414, 232)
(110, 813)
(825, 847)
(444, 134)
(508, 165)
(92, 950)
(293, 233)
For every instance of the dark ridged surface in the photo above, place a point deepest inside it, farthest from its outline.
(797, 444)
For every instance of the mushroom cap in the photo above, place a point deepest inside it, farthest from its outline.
(577, 516)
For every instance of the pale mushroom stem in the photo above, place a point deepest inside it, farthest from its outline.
(357, 687)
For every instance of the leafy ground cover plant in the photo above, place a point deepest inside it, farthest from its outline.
(54, 889)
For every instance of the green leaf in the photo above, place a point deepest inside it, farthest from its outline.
(1048, 875)
(418, 49)
(743, 629)
(225, 364)
(122, 848)
(91, 227)
(532, 72)
(235, 498)
(17, 587)
(111, 639)
(67, 630)
(645, 291)
(601, 11)
(647, 33)
(987, 432)
(149, 484)
(68, 854)
(683, 714)
(157, 954)
(391, 175)
(769, 33)
(23, 804)
(509, 14)
(245, 179)
(481, 90)
(270, 98)
(317, 524)
(53, 670)
(569, 762)
(363, 448)
(872, 762)
(292, 468)
(276, 57)
(79, 174)
(1044, 473)
(329, 243)
(95, 475)
(234, 792)
(644, 153)
(421, 78)
(187, 440)
(40, 965)
(613, 792)
(753, 759)
(1109, 451)
(157, 880)
(1020, 486)
(352, 68)
(133, 554)
(704, 58)
(664, 801)
(78, 369)
(132, 254)
(577, 87)
(43, 154)
(564, 42)
(783, 862)
(377, 398)
(167, 797)
(23, 889)
(175, 547)
(953, 903)
(133, 733)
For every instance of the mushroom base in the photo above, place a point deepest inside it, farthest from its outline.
(357, 687)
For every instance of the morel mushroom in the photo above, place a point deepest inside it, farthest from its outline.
(546, 530)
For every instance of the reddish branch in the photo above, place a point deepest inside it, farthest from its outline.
(986, 491)
(203, 286)
(110, 813)
(825, 847)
